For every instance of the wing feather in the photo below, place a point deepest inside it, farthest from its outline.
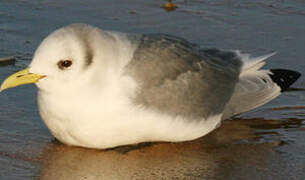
(176, 77)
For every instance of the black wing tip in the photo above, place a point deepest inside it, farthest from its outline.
(284, 78)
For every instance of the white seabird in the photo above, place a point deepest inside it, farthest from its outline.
(102, 89)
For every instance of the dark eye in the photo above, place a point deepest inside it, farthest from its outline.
(63, 64)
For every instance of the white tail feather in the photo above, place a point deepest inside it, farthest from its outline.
(255, 87)
(254, 63)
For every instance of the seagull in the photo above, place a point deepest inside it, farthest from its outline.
(102, 89)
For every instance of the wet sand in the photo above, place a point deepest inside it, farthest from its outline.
(267, 143)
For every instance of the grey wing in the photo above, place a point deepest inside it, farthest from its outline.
(177, 78)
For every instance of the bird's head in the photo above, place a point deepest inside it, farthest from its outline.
(64, 58)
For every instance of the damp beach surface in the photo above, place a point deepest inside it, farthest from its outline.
(267, 143)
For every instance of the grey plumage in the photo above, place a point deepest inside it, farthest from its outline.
(178, 78)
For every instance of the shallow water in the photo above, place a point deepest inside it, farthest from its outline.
(266, 143)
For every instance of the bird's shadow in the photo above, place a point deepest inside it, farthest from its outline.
(121, 149)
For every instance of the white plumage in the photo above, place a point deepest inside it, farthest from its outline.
(100, 101)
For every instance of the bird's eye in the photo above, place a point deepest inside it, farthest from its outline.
(63, 64)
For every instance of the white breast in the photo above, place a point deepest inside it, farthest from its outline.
(109, 119)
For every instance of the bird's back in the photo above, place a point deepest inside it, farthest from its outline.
(178, 78)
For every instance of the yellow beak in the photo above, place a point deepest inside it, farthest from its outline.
(19, 78)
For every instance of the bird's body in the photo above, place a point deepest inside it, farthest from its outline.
(126, 89)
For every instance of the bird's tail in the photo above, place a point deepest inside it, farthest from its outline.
(258, 86)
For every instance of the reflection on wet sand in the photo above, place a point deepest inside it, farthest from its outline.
(222, 154)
